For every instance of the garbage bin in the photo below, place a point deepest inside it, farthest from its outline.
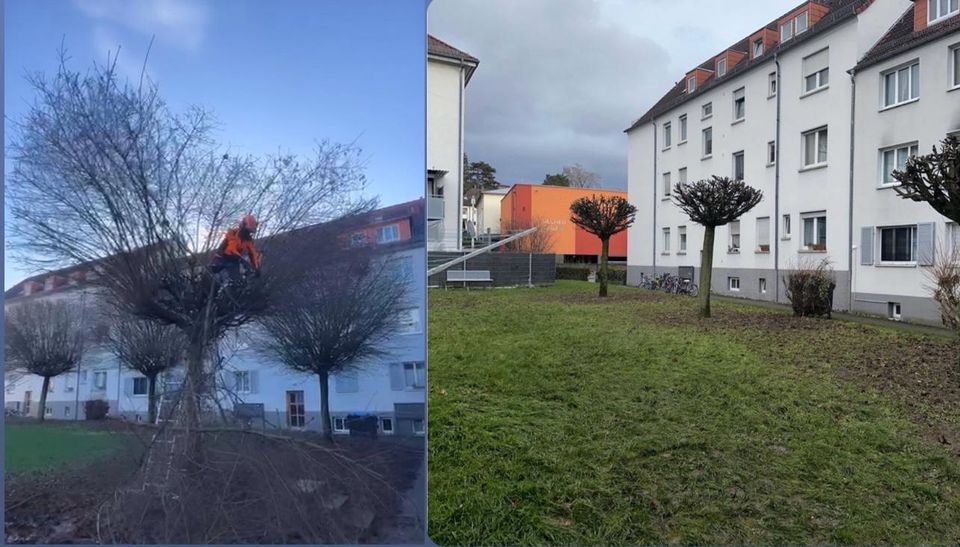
(363, 425)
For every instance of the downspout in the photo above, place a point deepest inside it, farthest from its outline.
(776, 187)
(83, 315)
(459, 217)
(853, 111)
(654, 227)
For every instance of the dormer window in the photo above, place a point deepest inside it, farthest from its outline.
(721, 67)
(786, 31)
(758, 48)
(941, 9)
(691, 84)
(801, 23)
(794, 27)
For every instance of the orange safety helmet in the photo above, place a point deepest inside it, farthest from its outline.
(249, 222)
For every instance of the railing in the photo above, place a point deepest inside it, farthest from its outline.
(434, 207)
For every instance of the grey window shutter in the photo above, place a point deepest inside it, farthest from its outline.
(254, 381)
(346, 383)
(925, 243)
(866, 245)
(396, 376)
(128, 386)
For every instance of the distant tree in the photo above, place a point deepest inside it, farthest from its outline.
(603, 217)
(558, 179)
(44, 338)
(540, 241)
(149, 348)
(711, 203)
(341, 317)
(579, 177)
(478, 176)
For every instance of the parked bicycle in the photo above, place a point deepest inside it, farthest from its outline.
(669, 283)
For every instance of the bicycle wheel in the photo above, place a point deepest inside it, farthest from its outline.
(693, 290)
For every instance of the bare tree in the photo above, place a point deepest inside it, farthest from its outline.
(343, 315)
(713, 202)
(105, 174)
(44, 338)
(149, 348)
(934, 179)
(604, 217)
(540, 241)
(579, 177)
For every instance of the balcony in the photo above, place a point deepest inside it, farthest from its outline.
(434, 207)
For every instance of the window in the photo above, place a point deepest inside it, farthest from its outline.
(901, 85)
(83, 377)
(346, 382)
(682, 175)
(340, 425)
(140, 386)
(241, 381)
(771, 153)
(816, 71)
(666, 240)
(815, 232)
(358, 239)
(721, 67)
(772, 85)
(296, 411)
(739, 105)
(763, 285)
(786, 31)
(733, 283)
(667, 135)
(801, 22)
(893, 311)
(386, 425)
(68, 382)
(401, 268)
(706, 111)
(708, 142)
(786, 227)
(418, 428)
(763, 234)
(691, 84)
(734, 243)
(757, 47)
(414, 375)
(48, 410)
(666, 186)
(940, 9)
(409, 321)
(815, 147)
(66, 411)
(100, 380)
(955, 66)
(738, 166)
(898, 244)
(795, 26)
(682, 238)
(683, 129)
(388, 234)
(953, 237)
(895, 159)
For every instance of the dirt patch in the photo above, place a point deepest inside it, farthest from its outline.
(616, 297)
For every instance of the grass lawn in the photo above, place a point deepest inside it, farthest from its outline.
(557, 418)
(50, 446)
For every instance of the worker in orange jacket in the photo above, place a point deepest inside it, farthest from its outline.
(237, 246)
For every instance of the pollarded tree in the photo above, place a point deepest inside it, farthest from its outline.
(934, 179)
(340, 317)
(604, 217)
(44, 338)
(713, 202)
(147, 347)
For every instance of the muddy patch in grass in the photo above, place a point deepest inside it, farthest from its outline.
(615, 297)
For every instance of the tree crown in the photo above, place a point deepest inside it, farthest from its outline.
(603, 216)
(934, 179)
(716, 201)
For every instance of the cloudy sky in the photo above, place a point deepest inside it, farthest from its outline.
(559, 80)
(277, 79)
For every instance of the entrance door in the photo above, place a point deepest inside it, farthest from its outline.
(296, 416)
(26, 402)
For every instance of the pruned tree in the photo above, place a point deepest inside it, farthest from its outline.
(343, 316)
(147, 347)
(540, 241)
(44, 338)
(713, 202)
(558, 179)
(104, 173)
(579, 177)
(604, 217)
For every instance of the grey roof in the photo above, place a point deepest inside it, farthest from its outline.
(439, 48)
(901, 37)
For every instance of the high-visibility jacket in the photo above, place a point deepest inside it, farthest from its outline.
(235, 245)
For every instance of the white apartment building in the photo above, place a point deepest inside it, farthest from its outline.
(391, 388)
(448, 72)
(797, 109)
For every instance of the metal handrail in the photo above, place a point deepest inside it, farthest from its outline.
(480, 251)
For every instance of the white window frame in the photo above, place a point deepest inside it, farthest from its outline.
(667, 135)
(911, 148)
(682, 175)
(762, 285)
(733, 284)
(760, 232)
(796, 23)
(384, 430)
(786, 226)
(772, 85)
(895, 72)
(145, 382)
(703, 144)
(97, 384)
(721, 67)
(788, 27)
(743, 165)
(704, 115)
(419, 375)
(409, 321)
(734, 239)
(666, 185)
(912, 261)
(935, 16)
(757, 51)
(816, 133)
(342, 426)
(771, 153)
(815, 216)
(953, 61)
(692, 84)
(419, 427)
(388, 233)
(666, 240)
(241, 381)
(682, 130)
(681, 239)
(742, 102)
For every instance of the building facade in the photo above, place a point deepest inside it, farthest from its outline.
(448, 72)
(793, 110)
(392, 388)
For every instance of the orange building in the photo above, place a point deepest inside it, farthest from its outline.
(527, 205)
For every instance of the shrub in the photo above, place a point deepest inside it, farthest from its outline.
(810, 289)
(617, 276)
(96, 409)
(945, 274)
(576, 273)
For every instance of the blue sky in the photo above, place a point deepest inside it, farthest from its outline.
(277, 75)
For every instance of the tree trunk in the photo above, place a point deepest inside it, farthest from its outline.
(604, 251)
(152, 398)
(190, 396)
(706, 269)
(326, 427)
(43, 398)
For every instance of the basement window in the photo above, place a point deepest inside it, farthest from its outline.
(894, 311)
(733, 283)
(386, 425)
(340, 425)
